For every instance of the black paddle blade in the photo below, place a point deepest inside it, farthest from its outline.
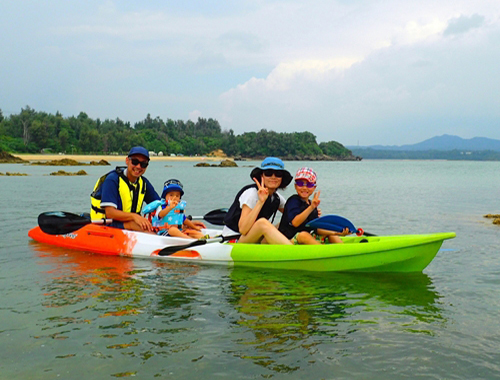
(216, 217)
(60, 222)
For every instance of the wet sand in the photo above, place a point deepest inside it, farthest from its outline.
(109, 158)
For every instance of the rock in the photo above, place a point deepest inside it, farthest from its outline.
(70, 162)
(62, 162)
(223, 164)
(8, 174)
(100, 163)
(7, 158)
(228, 164)
(64, 173)
(495, 217)
(492, 216)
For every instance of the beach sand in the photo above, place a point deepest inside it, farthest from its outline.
(109, 158)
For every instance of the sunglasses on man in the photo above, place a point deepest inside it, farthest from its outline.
(270, 172)
(302, 183)
(135, 162)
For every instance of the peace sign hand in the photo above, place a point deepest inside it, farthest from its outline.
(262, 192)
(315, 201)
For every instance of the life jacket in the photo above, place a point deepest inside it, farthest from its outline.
(268, 210)
(131, 195)
(175, 217)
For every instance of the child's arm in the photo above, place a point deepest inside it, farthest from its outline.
(302, 217)
(189, 224)
(166, 210)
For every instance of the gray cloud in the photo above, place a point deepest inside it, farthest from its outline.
(463, 24)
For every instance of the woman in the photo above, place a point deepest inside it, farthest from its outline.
(255, 205)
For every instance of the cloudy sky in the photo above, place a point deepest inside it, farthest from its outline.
(361, 72)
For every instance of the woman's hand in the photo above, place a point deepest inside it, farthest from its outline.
(262, 192)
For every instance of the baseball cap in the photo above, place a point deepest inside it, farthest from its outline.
(306, 173)
(139, 150)
(172, 185)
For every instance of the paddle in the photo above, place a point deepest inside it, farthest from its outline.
(61, 222)
(215, 217)
(336, 223)
(167, 251)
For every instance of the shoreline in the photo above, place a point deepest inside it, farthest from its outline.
(92, 157)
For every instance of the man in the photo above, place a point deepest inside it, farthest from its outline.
(119, 195)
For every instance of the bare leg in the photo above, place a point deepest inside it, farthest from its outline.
(193, 233)
(305, 237)
(335, 239)
(175, 232)
(264, 228)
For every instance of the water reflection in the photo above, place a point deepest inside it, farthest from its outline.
(150, 315)
(301, 313)
(128, 308)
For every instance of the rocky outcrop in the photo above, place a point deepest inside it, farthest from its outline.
(64, 173)
(7, 158)
(8, 174)
(99, 163)
(70, 162)
(223, 164)
(495, 217)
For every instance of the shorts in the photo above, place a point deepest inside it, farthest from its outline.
(116, 224)
(319, 238)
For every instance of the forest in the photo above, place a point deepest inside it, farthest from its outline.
(33, 131)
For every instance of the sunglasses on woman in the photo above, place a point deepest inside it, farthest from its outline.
(302, 183)
(270, 172)
(135, 162)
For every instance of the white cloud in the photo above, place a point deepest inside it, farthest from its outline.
(420, 86)
(339, 69)
(194, 115)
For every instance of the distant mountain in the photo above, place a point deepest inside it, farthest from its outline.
(442, 143)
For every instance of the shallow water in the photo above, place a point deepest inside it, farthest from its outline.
(67, 314)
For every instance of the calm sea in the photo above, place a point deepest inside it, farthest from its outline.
(74, 315)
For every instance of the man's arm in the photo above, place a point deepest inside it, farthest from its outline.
(131, 221)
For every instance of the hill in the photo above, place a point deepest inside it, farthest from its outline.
(441, 143)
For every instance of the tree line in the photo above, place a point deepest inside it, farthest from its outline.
(33, 131)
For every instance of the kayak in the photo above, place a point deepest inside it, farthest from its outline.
(399, 253)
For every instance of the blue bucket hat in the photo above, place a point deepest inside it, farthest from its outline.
(172, 185)
(273, 163)
(139, 150)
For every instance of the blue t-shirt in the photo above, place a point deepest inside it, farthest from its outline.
(111, 197)
(293, 207)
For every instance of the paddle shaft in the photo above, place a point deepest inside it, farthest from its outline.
(170, 250)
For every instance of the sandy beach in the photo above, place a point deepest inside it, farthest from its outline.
(109, 158)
